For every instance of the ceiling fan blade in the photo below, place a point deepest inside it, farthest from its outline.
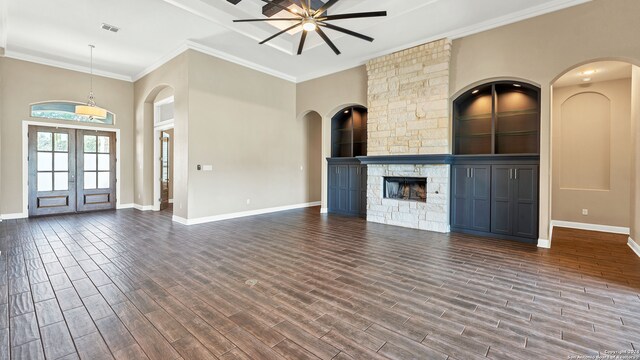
(353, 15)
(325, 7)
(276, 19)
(346, 31)
(302, 39)
(301, 4)
(327, 40)
(280, 33)
(273, 3)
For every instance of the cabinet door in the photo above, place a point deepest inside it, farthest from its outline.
(460, 211)
(354, 189)
(480, 198)
(363, 190)
(333, 188)
(501, 204)
(343, 188)
(525, 201)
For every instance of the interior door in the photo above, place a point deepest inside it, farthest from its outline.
(96, 187)
(164, 171)
(52, 169)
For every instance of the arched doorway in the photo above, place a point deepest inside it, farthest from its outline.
(312, 123)
(592, 152)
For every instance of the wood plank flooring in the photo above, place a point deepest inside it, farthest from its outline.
(298, 285)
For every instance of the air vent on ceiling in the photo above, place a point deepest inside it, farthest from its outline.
(111, 28)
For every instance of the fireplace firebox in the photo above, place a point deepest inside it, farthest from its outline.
(405, 188)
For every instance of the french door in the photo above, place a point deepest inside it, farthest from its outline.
(70, 170)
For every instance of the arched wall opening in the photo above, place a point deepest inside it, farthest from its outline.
(595, 111)
(148, 148)
(312, 123)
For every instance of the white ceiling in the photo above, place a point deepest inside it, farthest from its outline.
(153, 31)
(604, 71)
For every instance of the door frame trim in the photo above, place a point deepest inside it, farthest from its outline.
(25, 155)
(157, 130)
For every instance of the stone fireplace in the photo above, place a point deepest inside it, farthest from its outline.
(409, 135)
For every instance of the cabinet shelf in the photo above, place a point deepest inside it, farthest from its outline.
(497, 118)
(517, 113)
(517, 133)
(473, 135)
(348, 130)
(475, 117)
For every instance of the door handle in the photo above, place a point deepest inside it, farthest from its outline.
(472, 172)
(510, 173)
(516, 171)
(468, 172)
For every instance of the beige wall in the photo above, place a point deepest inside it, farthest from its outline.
(541, 49)
(174, 75)
(326, 96)
(23, 83)
(591, 153)
(313, 125)
(635, 158)
(244, 123)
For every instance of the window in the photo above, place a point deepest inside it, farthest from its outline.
(65, 110)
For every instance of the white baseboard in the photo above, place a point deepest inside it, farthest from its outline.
(215, 218)
(124, 206)
(544, 243)
(13, 216)
(170, 201)
(634, 246)
(143, 207)
(180, 220)
(591, 227)
(324, 210)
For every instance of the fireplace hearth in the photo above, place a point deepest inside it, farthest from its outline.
(405, 188)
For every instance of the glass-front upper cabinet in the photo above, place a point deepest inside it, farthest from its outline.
(497, 118)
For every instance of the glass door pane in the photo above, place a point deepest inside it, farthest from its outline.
(51, 171)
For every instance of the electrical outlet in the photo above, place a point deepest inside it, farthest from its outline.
(585, 212)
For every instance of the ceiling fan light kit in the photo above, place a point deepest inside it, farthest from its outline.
(311, 19)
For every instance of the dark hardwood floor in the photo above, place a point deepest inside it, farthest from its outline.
(297, 285)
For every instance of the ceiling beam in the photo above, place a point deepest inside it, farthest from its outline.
(269, 10)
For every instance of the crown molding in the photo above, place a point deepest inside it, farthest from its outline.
(239, 61)
(3, 24)
(455, 34)
(64, 65)
(161, 61)
(191, 45)
(518, 16)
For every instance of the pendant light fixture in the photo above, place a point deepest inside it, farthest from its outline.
(91, 110)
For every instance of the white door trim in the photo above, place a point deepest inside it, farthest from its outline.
(25, 155)
(165, 125)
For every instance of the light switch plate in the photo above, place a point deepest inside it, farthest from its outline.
(207, 167)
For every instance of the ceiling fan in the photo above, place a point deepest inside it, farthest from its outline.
(311, 19)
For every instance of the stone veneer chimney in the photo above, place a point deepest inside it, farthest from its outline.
(409, 115)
